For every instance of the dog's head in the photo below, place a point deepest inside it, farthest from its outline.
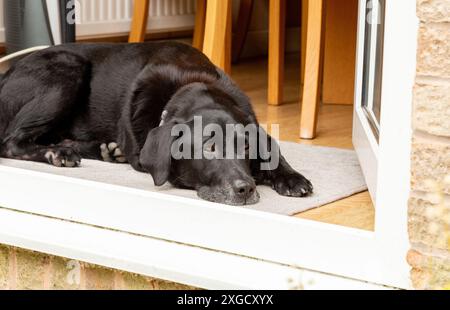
(196, 148)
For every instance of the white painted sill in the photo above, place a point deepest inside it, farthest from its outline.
(116, 232)
(181, 263)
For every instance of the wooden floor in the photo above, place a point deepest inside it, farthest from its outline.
(335, 130)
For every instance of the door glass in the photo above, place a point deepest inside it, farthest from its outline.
(373, 62)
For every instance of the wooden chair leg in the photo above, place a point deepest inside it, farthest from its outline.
(243, 24)
(225, 60)
(277, 22)
(304, 34)
(218, 33)
(199, 30)
(311, 93)
(139, 22)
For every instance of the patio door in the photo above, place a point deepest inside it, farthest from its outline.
(368, 103)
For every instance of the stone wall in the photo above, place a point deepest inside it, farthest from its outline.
(429, 206)
(22, 269)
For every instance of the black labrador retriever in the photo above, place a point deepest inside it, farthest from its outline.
(120, 102)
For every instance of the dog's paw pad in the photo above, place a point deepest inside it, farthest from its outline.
(63, 157)
(112, 153)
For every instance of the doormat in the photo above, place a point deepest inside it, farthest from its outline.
(335, 174)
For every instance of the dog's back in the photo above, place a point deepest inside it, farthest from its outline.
(109, 70)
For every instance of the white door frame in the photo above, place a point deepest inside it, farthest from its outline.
(377, 257)
(365, 141)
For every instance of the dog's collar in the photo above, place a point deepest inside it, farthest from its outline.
(163, 118)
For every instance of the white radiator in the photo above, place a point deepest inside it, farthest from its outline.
(96, 18)
(109, 17)
(2, 24)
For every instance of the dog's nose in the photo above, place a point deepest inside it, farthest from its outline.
(243, 189)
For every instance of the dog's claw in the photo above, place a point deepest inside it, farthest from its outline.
(63, 157)
(112, 153)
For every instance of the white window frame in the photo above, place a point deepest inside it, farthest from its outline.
(218, 246)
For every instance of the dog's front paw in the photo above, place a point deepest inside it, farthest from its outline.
(63, 157)
(112, 153)
(292, 185)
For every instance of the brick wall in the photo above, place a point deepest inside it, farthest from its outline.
(429, 206)
(22, 269)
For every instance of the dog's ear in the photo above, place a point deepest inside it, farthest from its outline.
(155, 156)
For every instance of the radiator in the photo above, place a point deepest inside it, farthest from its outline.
(2, 24)
(111, 17)
(96, 18)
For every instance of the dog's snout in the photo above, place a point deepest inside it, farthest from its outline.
(243, 189)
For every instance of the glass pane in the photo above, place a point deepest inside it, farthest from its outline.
(373, 62)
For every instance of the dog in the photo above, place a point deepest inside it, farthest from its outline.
(120, 102)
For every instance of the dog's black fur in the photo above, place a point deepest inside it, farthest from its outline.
(105, 101)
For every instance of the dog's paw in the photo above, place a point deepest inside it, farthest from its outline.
(112, 153)
(292, 185)
(63, 157)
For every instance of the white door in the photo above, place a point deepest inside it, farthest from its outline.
(368, 99)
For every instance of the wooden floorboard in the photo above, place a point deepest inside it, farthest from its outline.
(334, 129)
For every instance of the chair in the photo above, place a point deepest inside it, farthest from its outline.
(312, 22)
(328, 57)
(212, 33)
(140, 19)
(312, 66)
(217, 40)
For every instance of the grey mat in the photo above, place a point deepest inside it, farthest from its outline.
(335, 173)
